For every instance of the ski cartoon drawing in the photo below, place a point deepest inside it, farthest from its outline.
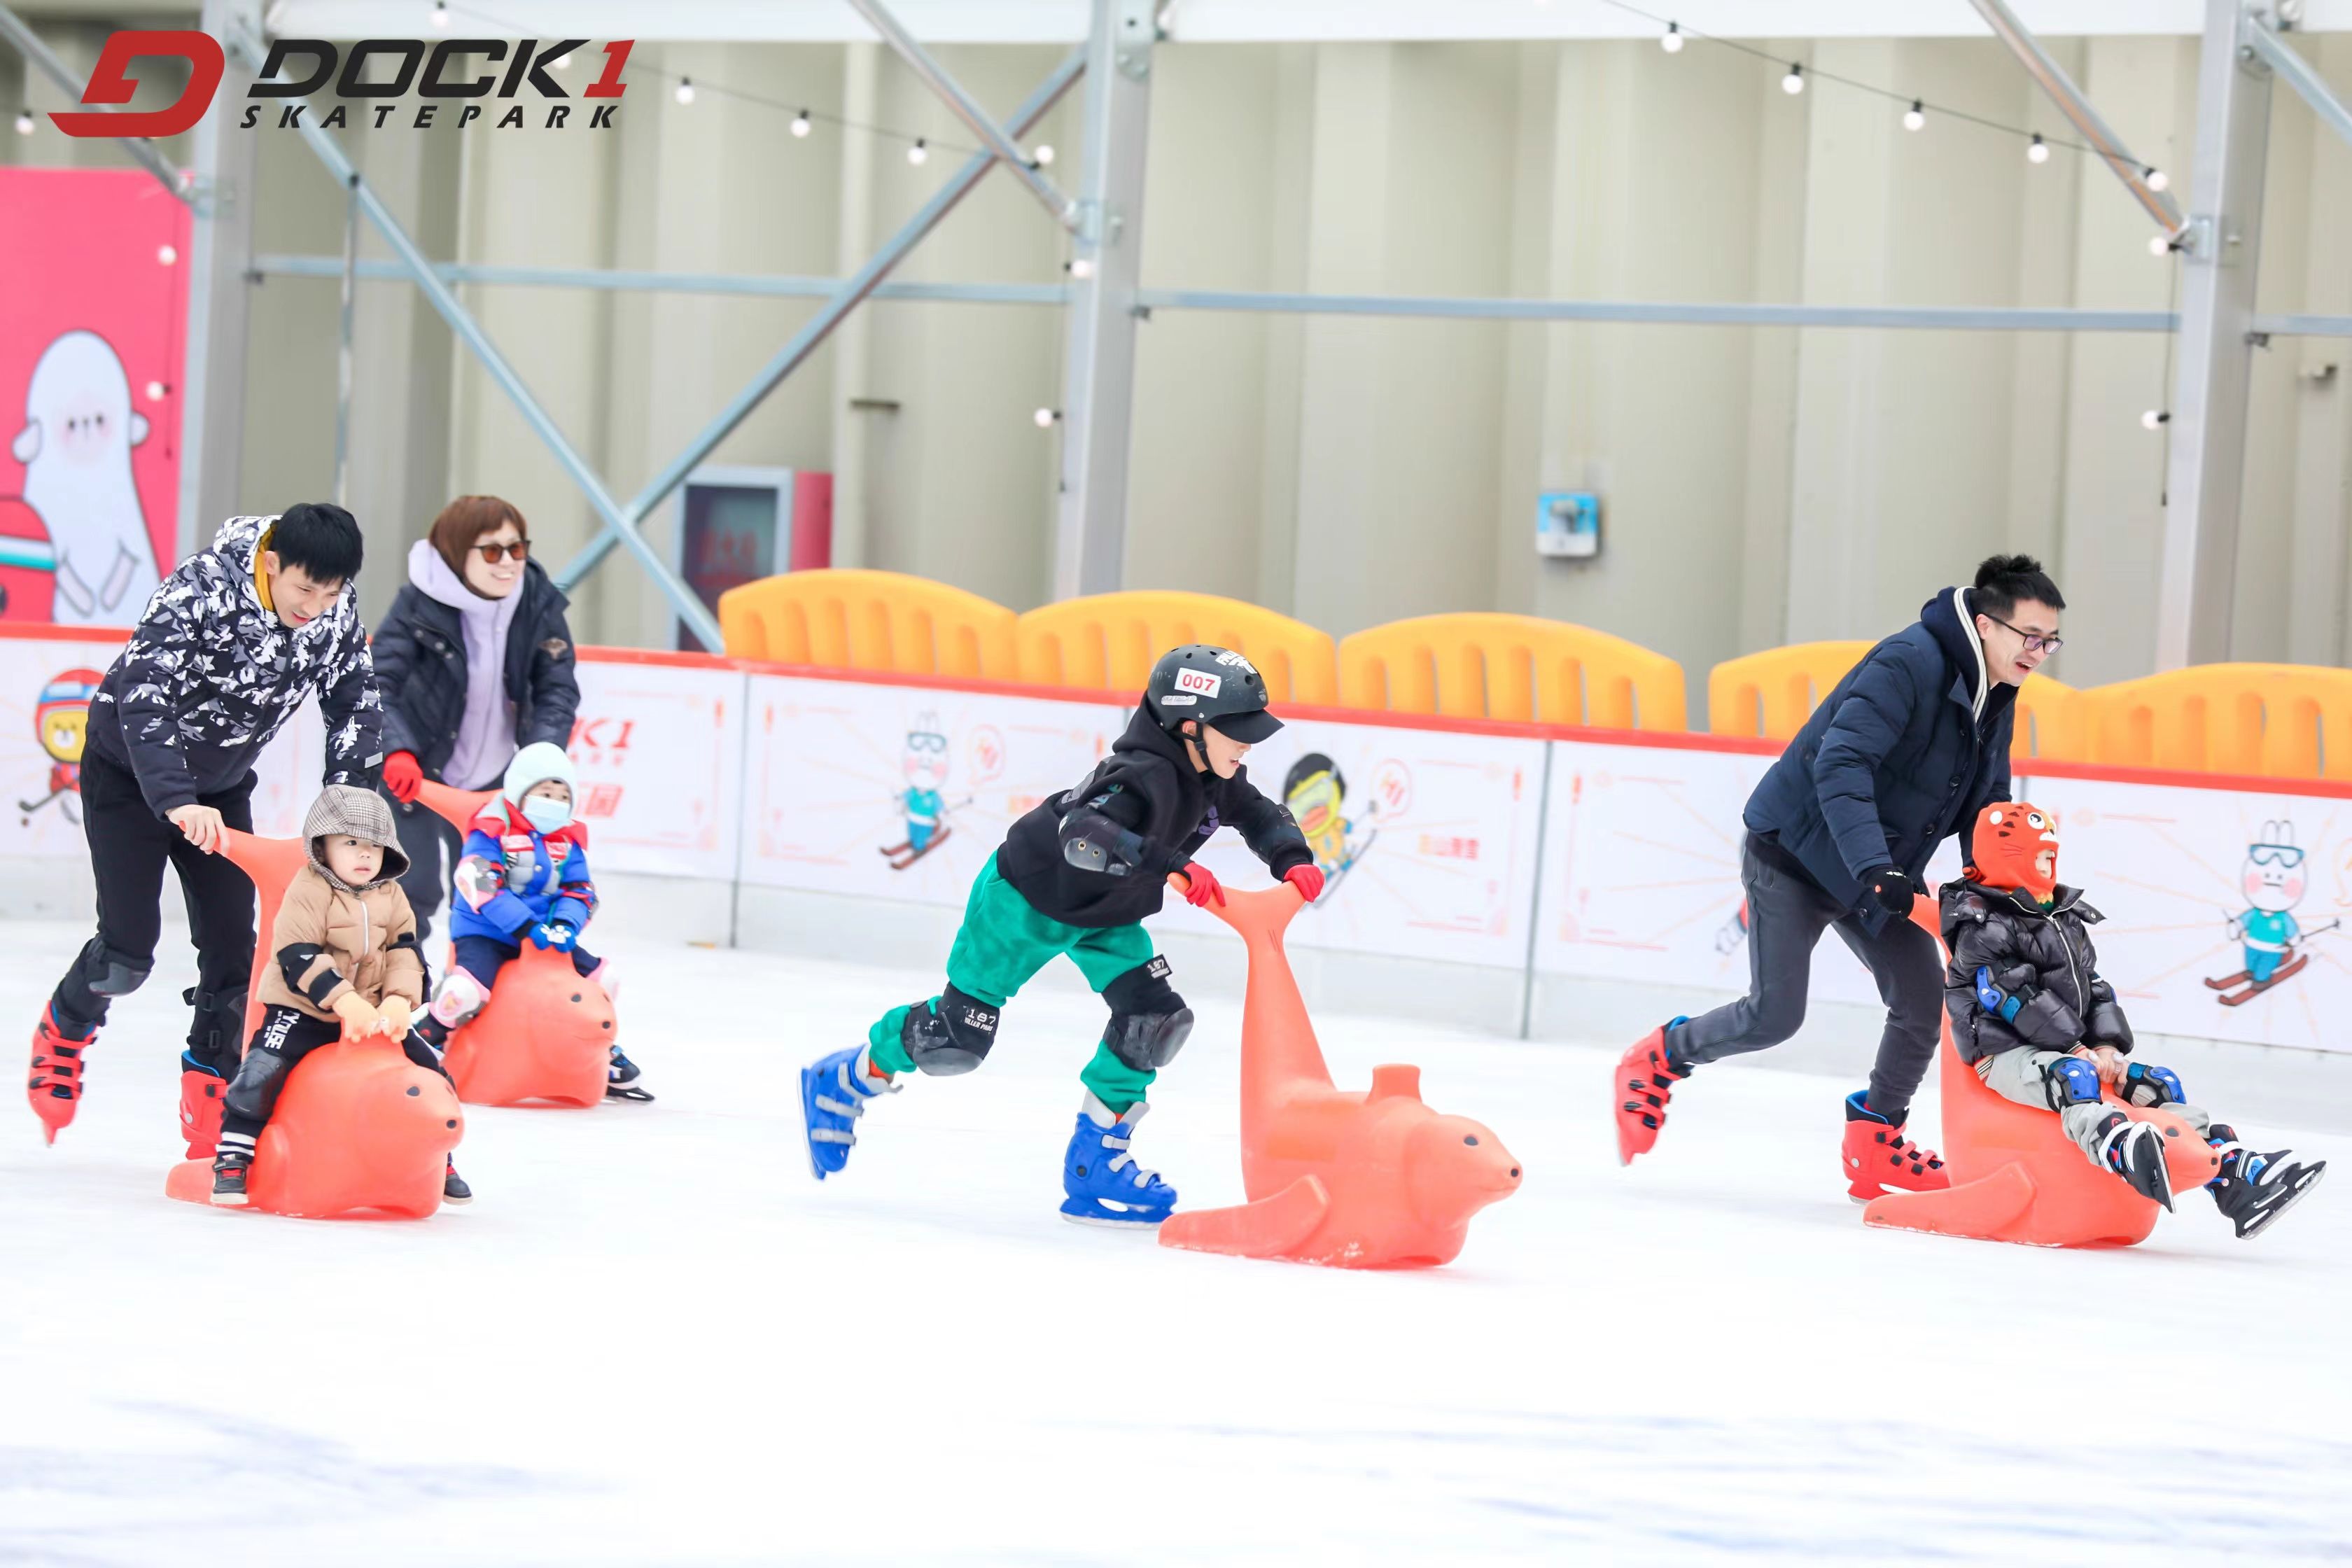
(1316, 793)
(1734, 931)
(61, 721)
(925, 766)
(2273, 882)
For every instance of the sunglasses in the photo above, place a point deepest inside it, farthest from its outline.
(2275, 855)
(494, 554)
(924, 740)
(2035, 641)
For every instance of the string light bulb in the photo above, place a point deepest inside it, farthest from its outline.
(1045, 419)
(154, 392)
(1673, 40)
(1794, 82)
(1080, 268)
(919, 153)
(2154, 419)
(2158, 180)
(440, 15)
(167, 253)
(685, 93)
(801, 123)
(2037, 150)
(1043, 153)
(2159, 245)
(24, 122)
(1915, 116)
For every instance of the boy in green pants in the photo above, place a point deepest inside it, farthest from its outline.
(1076, 875)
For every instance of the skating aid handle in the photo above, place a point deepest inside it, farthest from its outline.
(1264, 911)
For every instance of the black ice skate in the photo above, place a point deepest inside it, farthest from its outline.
(2254, 1189)
(621, 1083)
(2134, 1151)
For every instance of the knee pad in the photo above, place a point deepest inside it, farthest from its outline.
(109, 974)
(253, 1093)
(457, 998)
(2146, 1086)
(2071, 1080)
(1149, 1022)
(951, 1034)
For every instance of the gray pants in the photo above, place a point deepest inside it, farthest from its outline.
(2021, 1074)
(1786, 912)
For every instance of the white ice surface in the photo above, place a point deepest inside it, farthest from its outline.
(653, 1339)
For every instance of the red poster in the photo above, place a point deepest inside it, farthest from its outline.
(93, 321)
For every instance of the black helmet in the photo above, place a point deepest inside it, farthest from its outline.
(1214, 685)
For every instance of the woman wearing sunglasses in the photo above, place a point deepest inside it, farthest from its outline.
(475, 662)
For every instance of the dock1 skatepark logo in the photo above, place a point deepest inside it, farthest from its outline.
(371, 73)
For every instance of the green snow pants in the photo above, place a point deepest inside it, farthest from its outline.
(1003, 941)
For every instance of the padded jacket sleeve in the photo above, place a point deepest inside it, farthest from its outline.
(577, 903)
(1269, 829)
(1991, 993)
(298, 941)
(165, 643)
(1870, 719)
(393, 651)
(353, 710)
(555, 683)
(482, 882)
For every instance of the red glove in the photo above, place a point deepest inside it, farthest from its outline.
(1200, 885)
(402, 775)
(1308, 879)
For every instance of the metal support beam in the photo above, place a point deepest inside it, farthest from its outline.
(804, 342)
(1098, 372)
(975, 119)
(2077, 108)
(41, 58)
(344, 347)
(211, 392)
(777, 286)
(690, 609)
(2206, 468)
(2296, 72)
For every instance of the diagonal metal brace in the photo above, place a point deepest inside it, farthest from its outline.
(975, 119)
(28, 44)
(830, 314)
(690, 609)
(2296, 72)
(2077, 108)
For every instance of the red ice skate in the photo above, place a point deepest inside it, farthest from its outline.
(204, 1096)
(1645, 1081)
(55, 1087)
(1878, 1157)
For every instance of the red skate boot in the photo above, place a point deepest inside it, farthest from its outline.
(204, 1094)
(1878, 1156)
(1645, 1081)
(54, 1088)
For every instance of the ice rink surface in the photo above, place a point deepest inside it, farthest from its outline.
(654, 1339)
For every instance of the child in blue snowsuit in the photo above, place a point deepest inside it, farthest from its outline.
(523, 876)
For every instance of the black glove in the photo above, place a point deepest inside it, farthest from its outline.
(1890, 889)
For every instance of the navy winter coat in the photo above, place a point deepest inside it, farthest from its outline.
(420, 664)
(1908, 749)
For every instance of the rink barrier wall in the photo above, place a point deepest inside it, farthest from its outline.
(1546, 880)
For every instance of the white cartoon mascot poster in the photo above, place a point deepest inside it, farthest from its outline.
(92, 324)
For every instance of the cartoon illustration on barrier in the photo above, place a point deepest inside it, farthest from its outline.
(1316, 791)
(61, 720)
(2273, 882)
(925, 767)
(76, 446)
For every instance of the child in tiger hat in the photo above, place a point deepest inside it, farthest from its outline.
(2029, 1013)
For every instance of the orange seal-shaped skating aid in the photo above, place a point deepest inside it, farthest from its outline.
(546, 1033)
(358, 1126)
(1374, 1180)
(2016, 1176)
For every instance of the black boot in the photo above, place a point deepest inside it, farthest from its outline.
(454, 1189)
(230, 1169)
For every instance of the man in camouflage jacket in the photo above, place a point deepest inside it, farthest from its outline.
(235, 639)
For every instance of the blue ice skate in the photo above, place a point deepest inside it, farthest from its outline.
(834, 1092)
(1105, 1184)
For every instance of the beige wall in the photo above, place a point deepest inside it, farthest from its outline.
(1762, 485)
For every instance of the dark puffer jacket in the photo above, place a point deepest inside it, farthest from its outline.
(2042, 976)
(1149, 786)
(420, 664)
(1906, 751)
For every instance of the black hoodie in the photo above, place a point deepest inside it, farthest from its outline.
(1149, 786)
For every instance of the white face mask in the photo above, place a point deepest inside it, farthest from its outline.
(546, 815)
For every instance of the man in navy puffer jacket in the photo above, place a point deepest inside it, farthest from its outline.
(1906, 751)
